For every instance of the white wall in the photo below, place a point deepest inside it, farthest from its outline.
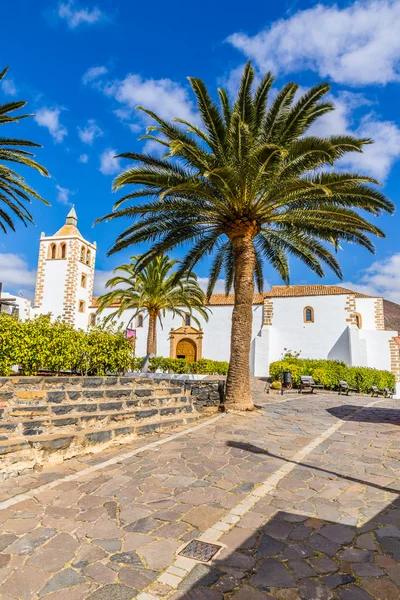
(366, 308)
(23, 304)
(54, 287)
(324, 338)
(85, 294)
(217, 331)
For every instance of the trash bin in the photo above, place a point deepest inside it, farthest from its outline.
(286, 380)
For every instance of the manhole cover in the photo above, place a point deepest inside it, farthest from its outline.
(200, 551)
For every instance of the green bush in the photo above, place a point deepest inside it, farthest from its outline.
(276, 385)
(180, 365)
(40, 344)
(329, 372)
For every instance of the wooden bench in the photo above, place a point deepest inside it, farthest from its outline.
(375, 391)
(388, 393)
(345, 388)
(306, 381)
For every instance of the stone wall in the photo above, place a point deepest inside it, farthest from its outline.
(45, 419)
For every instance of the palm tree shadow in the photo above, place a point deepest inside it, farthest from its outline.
(368, 414)
(257, 450)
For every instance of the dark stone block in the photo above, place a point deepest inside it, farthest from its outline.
(391, 545)
(131, 403)
(56, 382)
(8, 426)
(174, 390)
(88, 418)
(92, 394)
(32, 432)
(56, 397)
(110, 406)
(118, 393)
(13, 448)
(98, 437)
(86, 407)
(142, 393)
(150, 428)
(269, 546)
(170, 410)
(124, 431)
(146, 414)
(92, 382)
(110, 381)
(57, 444)
(63, 422)
(5, 396)
(62, 410)
(75, 395)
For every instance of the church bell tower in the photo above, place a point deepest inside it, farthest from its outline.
(65, 275)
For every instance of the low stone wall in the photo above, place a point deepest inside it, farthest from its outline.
(46, 419)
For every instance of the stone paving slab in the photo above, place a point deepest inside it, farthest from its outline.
(330, 528)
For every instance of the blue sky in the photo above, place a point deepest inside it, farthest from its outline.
(83, 66)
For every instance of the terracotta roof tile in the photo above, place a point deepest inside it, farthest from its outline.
(67, 230)
(293, 291)
(215, 300)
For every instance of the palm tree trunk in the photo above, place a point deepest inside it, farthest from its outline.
(152, 334)
(238, 391)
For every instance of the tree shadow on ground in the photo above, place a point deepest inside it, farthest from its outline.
(368, 414)
(292, 557)
(257, 450)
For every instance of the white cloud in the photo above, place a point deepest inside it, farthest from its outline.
(382, 278)
(91, 131)
(165, 97)
(219, 285)
(108, 164)
(74, 16)
(376, 159)
(63, 195)
(358, 44)
(8, 87)
(100, 280)
(83, 158)
(50, 118)
(15, 272)
(93, 73)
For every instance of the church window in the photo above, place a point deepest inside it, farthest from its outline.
(88, 257)
(92, 320)
(81, 306)
(83, 280)
(188, 320)
(358, 320)
(308, 314)
(52, 251)
(63, 251)
(139, 321)
(83, 254)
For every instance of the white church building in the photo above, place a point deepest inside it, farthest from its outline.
(320, 321)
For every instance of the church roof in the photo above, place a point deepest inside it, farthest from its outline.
(70, 226)
(296, 291)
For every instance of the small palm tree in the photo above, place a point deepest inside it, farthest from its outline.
(14, 191)
(249, 186)
(154, 289)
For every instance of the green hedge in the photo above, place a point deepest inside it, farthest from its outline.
(180, 365)
(329, 372)
(41, 345)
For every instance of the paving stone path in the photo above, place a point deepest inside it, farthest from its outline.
(327, 526)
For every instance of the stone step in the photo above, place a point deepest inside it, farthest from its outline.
(76, 421)
(21, 454)
(37, 397)
(21, 410)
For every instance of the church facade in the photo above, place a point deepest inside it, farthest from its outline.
(319, 321)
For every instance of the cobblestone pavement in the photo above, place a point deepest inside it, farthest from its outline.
(303, 496)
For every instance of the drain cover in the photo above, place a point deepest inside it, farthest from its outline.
(200, 551)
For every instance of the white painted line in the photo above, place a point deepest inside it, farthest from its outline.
(107, 463)
(227, 522)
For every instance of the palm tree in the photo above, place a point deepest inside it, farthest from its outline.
(155, 289)
(249, 186)
(14, 191)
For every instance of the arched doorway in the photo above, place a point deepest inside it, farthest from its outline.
(186, 349)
